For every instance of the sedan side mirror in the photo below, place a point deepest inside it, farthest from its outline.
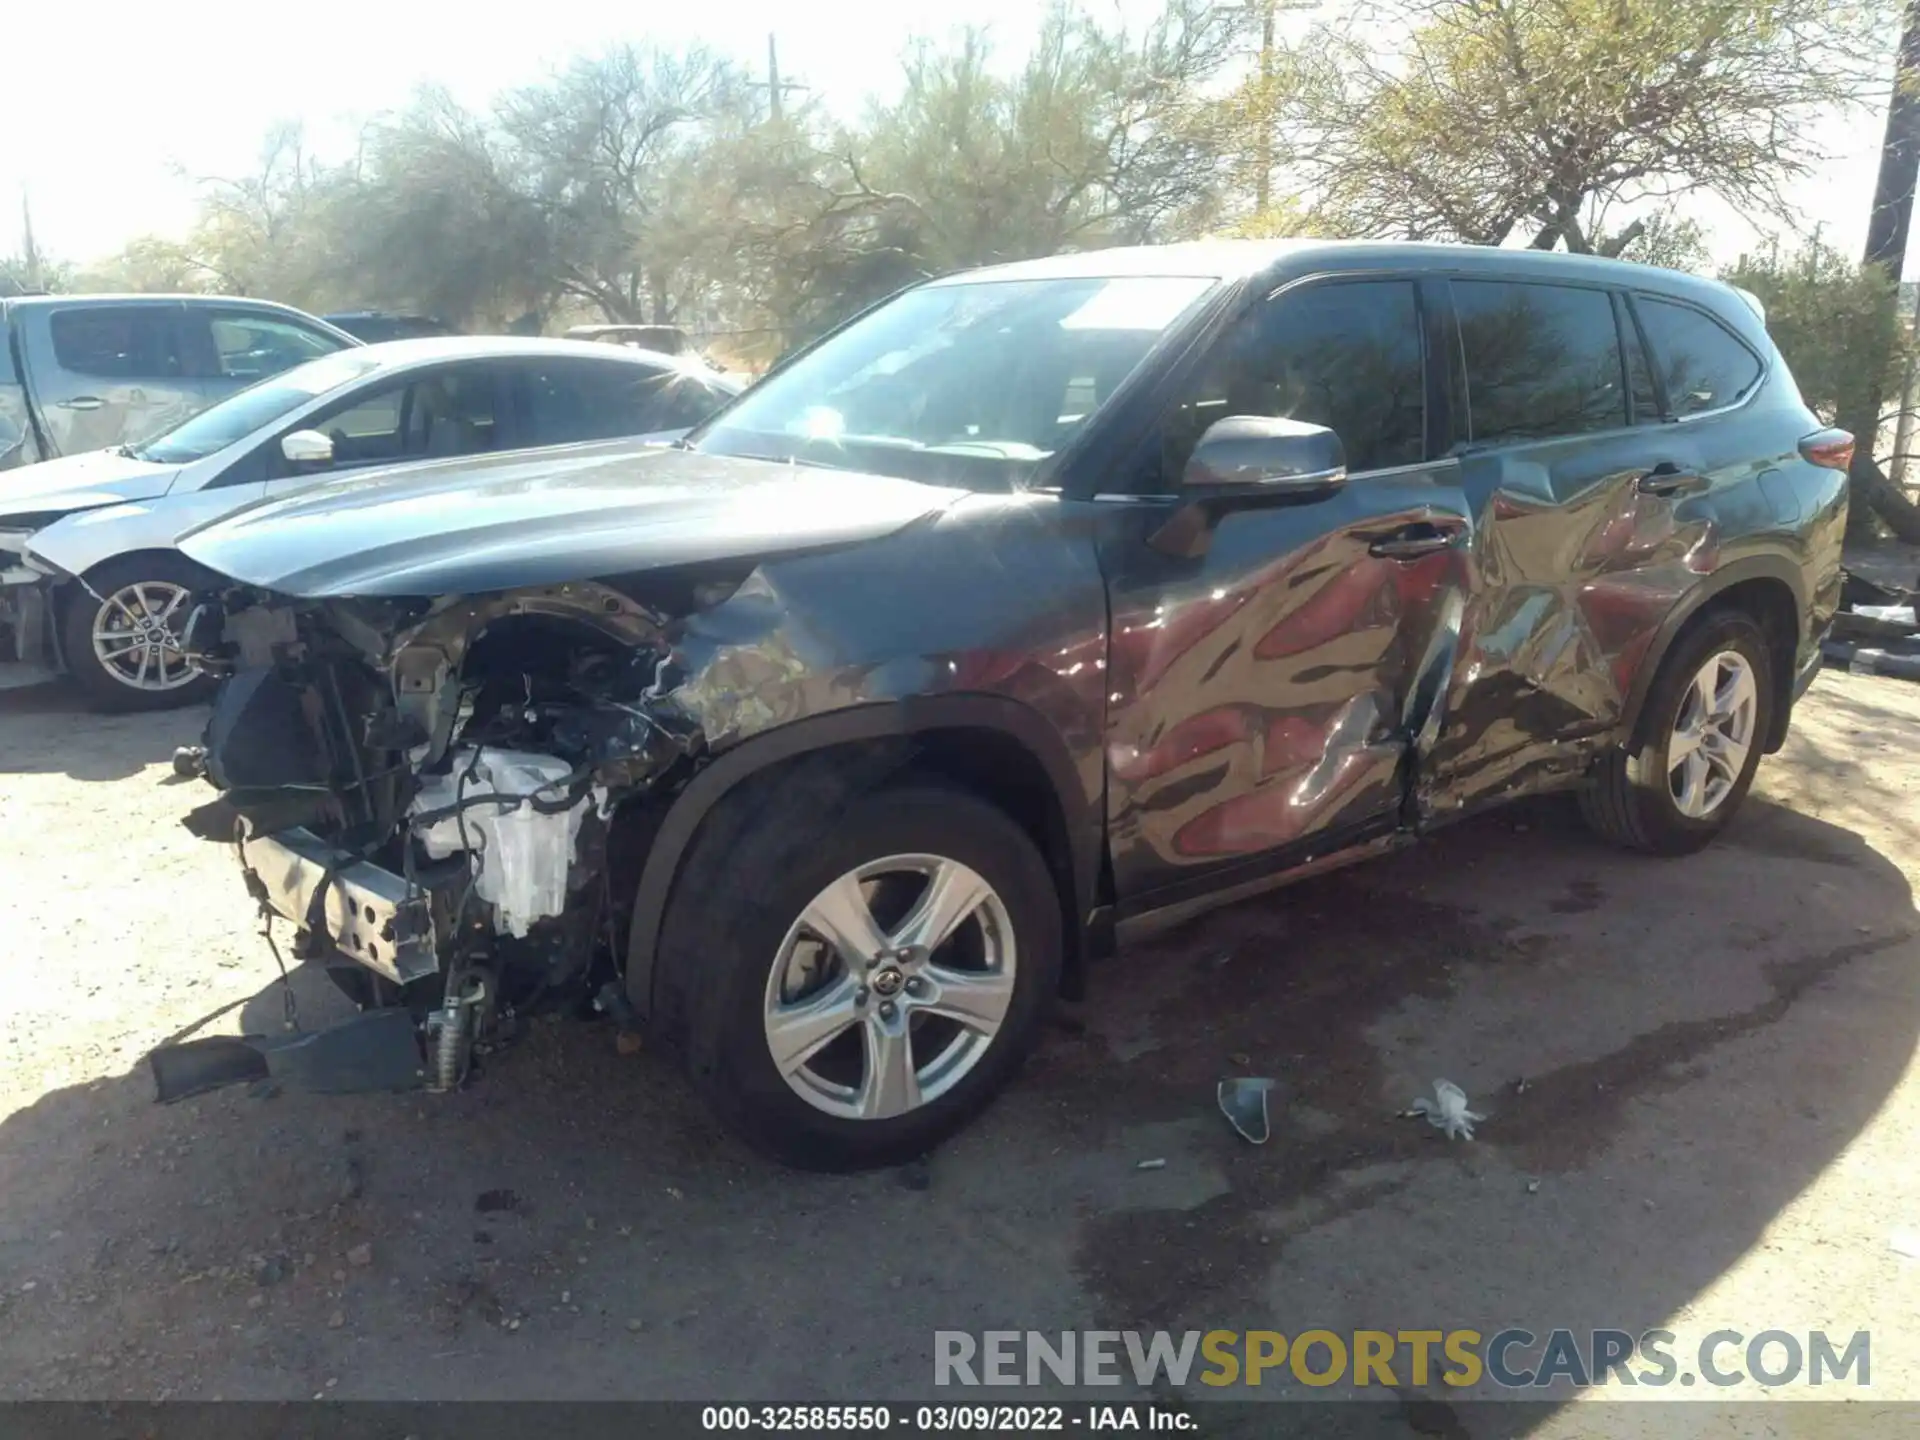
(1264, 459)
(307, 447)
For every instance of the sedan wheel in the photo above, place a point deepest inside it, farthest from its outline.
(890, 987)
(121, 631)
(136, 636)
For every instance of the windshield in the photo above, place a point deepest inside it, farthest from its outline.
(239, 415)
(975, 383)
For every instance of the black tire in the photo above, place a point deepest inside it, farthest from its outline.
(1629, 799)
(83, 607)
(758, 860)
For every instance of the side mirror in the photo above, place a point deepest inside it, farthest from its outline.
(1261, 459)
(307, 447)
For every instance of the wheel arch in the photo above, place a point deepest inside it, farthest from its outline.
(1770, 588)
(994, 744)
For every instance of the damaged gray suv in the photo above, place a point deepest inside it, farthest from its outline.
(1033, 607)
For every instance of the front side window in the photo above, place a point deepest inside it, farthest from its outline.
(441, 413)
(238, 416)
(250, 347)
(972, 383)
(1540, 360)
(1704, 366)
(1346, 355)
(126, 342)
(575, 400)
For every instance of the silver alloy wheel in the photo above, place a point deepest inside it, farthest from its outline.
(1713, 734)
(926, 994)
(135, 638)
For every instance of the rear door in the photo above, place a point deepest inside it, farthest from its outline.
(1583, 534)
(106, 374)
(1267, 681)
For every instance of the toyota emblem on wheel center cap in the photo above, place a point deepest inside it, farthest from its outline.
(886, 981)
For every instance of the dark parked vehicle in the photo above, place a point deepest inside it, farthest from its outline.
(377, 326)
(1037, 606)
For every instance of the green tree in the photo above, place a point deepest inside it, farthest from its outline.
(1830, 317)
(1490, 119)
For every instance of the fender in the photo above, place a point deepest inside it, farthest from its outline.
(1767, 566)
(1083, 821)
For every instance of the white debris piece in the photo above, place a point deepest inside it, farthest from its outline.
(1447, 1110)
(520, 855)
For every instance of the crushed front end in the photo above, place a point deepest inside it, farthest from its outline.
(429, 792)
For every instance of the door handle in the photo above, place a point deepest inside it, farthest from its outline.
(81, 402)
(1668, 481)
(1423, 537)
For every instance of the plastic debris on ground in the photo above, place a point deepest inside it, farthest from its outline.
(1446, 1110)
(1907, 1242)
(1877, 631)
(1244, 1102)
(1151, 1165)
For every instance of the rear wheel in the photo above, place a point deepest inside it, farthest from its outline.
(857, 979)
(1698, 744)
(120, 635)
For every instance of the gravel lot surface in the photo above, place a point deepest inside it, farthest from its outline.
(1718, 1126)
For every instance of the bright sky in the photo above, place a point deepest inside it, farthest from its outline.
(109, 110)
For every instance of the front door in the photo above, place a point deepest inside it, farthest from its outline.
(1269, 678)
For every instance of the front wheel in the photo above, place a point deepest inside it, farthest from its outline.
(1698, 745)
(858, 979)
(121, 635)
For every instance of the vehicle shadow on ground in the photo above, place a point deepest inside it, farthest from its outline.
(1700, 1040)
(48, 730)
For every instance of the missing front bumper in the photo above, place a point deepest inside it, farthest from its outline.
(365, 912)
(376, 1051)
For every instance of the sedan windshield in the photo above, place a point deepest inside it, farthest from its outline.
(974, 383)
(238, 416)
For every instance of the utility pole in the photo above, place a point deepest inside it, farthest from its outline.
(775, 86)
(1263, 181)
(1891, 218)
(30, 253)
(1888, 226)
(1268, 11)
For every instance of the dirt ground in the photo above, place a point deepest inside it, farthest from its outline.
(1718, 1124)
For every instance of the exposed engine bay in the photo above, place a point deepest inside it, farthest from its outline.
(431, 792)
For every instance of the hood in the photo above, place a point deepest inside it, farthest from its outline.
(81, 482)
(471, 527)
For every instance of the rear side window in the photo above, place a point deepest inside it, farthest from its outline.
(249, 347)
(1705, 367)
(574, 400)
(134, 342)
(1540, 360)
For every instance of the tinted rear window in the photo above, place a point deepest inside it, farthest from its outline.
(1541, 360)
(574, 400)
(135, 342)
(1704, 366)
